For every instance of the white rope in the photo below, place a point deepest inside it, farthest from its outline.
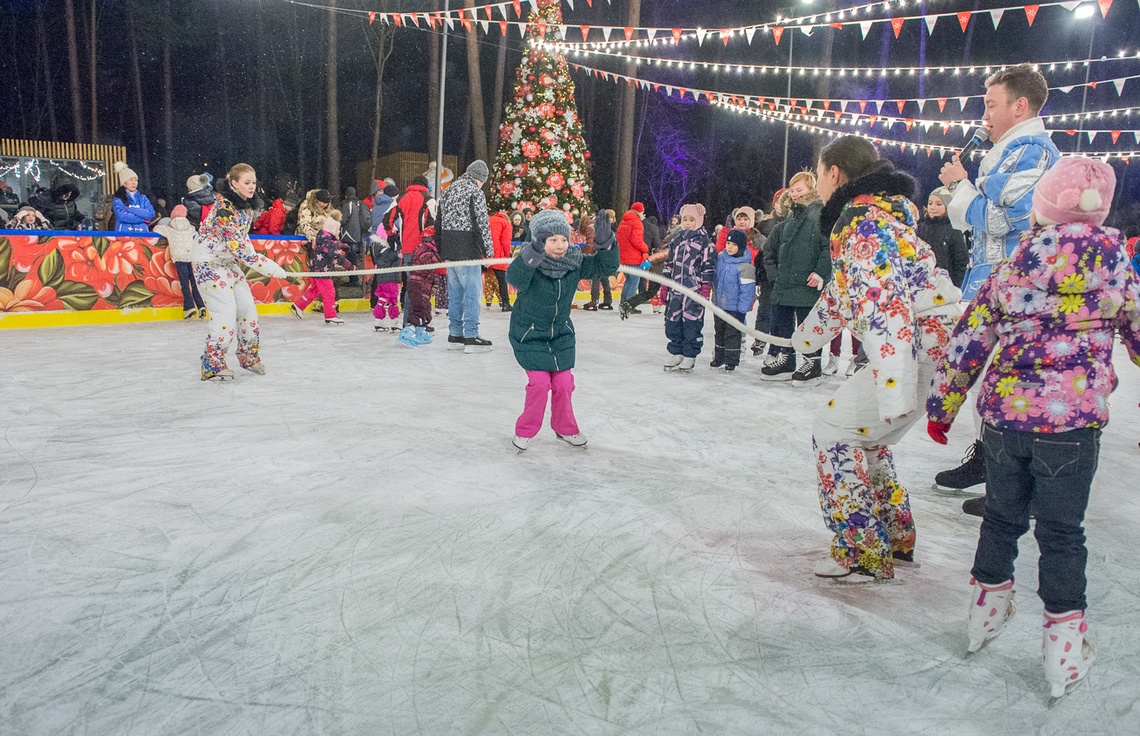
(707, 304)
(627, 270)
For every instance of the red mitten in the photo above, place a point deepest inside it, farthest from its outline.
(705, 290)
(663, 293)
(937, 431)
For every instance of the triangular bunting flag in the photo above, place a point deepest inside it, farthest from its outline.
(522, 29)
(503, 27)
(701, 32)
(1119, 84)
(1031, 13)
(518, 8)
(965, 128)
(1070, 6)
(749, 33)
(862, 106)
(683, 90)
(930, 21)
(656, 86)
(902, 147)
(709, 96)
(450, 21)
(1136, 135)
(676, 35)
(945, 128)
(570, 3)
(371, 17)
(909, 122)
(484, 24)
(1091, 134)
(1115, 135)
(1066, 90)
(541, 25)
(1071, 131)
(628, 33)
(585, 32)
(964, 19)
(562, 32)
(1104, 6)
(865, 27)
(995, 16)
(835, 25)
(487, 8)
(901, 104)
(399, 19)
(606, 30)
(922, 105)
(1093, 84)
(837, 114)
(807, 29)
(777, 33)
(941, 104)
(896, 25)
(724, 34)
(871, 120)
(668, 91)
(962, 103)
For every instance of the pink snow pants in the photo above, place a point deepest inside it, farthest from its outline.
(325, 290)
(560, 385)
(387, 301)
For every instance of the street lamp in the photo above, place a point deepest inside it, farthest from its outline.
(442, 89)
(788, 120)
(1085, 11)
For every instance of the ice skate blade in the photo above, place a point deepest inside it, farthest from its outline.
(1054, 699)
(955, 492)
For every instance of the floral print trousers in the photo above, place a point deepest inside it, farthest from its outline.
(232, 313)
(859, 491)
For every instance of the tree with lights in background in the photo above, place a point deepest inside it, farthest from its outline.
(543, 162)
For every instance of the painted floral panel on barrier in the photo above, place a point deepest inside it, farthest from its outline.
(79, 272)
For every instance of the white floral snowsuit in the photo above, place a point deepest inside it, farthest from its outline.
(888, 291)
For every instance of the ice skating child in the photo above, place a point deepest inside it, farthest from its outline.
(420, 286)
(179, 234)
(735, 291)
(1051, 310)
(692, 263)
(387, 308)
(545, 275)
(889, 292)
(328, 254)
(221, 247)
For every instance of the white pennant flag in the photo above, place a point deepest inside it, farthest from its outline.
(807, 29)
(562, 32)
(865, 26)
(962, 103)
(965, 127)
(750, 32)
(522, 30)
(503, 10)
(1136, 135)
(926, 126)
(668, 91)
(995, 16)
(450, 22)
(701, 36)
(652, 33)
(1066, 90)
(1071, 6)
(606, 32)
(534, 6)
(570, 3)
(922, 105)
(1091, 134)
(484, 24)
(1119, 84)
(930, 21)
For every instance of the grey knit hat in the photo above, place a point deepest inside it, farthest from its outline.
(546, 223)
(479, 170)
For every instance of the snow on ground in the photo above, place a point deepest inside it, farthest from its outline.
(349, 545)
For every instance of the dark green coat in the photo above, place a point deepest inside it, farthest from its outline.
(542, 334)
(802, 250)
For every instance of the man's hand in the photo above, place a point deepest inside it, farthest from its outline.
(952, 172)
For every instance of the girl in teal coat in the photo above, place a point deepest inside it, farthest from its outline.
(545, 274)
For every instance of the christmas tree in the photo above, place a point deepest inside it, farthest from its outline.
(542, 161)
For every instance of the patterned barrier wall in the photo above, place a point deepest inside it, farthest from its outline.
(44, 271)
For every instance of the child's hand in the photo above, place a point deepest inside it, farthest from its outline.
(937, 431)
(814, 281)
(706, 290)
(645, 265)
(663, 293)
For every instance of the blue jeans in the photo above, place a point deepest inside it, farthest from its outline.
(629, 288)
(785, 320)
(190, 297)
(1053, 472)
(464, 300)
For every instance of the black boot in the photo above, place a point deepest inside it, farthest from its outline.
(975, 506)
(970, 473)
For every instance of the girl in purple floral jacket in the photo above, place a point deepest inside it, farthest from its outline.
(1051, 311)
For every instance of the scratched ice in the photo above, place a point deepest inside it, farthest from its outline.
(349, 545)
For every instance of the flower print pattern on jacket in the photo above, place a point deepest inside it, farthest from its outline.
(223, 242)
(691, 263)
(1051, 311)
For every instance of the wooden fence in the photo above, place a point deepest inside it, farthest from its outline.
(108, 155)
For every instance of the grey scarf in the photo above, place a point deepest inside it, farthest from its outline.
(556, 268)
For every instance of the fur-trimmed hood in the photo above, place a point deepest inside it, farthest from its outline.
(882, 180)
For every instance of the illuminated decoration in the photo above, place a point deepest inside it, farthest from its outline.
(542, 158)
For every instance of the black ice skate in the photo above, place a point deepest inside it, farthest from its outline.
(970, 473)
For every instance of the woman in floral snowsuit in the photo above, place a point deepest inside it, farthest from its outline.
(219, 251)
(886, 289)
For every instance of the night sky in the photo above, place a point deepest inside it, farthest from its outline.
(230, 55)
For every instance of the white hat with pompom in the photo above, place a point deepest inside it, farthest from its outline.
(124, 172)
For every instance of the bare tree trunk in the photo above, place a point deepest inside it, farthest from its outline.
(623, 193)
(223, 73)
(299, 97)
(144, 142)
(73, 65)
(475, 90)
(262, 92)
(94, 66)
(331, 122)
(45, 64)
(383, 51)
(168, 104)
(433, 88)
(465, 140)
(497, 102)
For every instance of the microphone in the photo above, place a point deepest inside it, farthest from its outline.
(981, 135)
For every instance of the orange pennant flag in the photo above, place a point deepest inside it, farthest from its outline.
(676, 35)
(1115, 135)
(371, 17)
(399, 21)
(724, 34)
(945, 128)
(503, 27)
(896, 25)
(777, 32)
(518, 8)
(465, 21)
(1104, 6)
(836, 25)
(1031, 13)
(941, 104)
(656, 86)
(862, 106)
(1071, 131)
(541, 25)
(964, 19)
(628, 33)
(872, 119)
(909, 122)
(901, 104)
(585, 31)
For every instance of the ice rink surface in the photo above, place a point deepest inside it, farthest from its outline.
(350, 545)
